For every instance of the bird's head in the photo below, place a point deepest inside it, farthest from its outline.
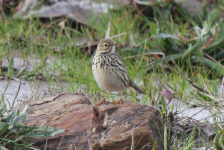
(106, 46)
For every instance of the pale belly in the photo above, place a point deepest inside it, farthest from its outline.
(108, 80)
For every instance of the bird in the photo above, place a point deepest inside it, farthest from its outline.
(110, 72)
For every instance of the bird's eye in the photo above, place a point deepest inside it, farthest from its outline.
(105, 45)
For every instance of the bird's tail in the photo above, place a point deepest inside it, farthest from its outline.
(136, 88)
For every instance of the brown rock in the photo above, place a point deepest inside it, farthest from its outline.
(111, 127)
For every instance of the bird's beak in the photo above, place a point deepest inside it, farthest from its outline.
(114, 43)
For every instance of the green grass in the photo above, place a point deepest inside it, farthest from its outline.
(56, 58)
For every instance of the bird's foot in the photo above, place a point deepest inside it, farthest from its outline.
(118, 102)
(101, 102)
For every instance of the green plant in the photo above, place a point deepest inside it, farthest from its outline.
(15, 134)
(199, 46)
(219, 140)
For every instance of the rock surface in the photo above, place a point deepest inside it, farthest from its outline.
(88, 127)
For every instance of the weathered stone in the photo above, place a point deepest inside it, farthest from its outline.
(111, 127)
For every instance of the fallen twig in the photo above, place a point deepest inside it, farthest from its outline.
(191, 82)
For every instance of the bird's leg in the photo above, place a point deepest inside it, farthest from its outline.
(103, 100)
(119, 101)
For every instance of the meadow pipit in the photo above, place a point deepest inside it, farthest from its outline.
(109, 70)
